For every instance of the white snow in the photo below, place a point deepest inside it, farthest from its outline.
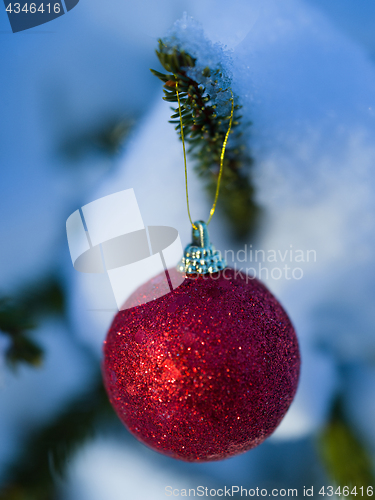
(109, 468)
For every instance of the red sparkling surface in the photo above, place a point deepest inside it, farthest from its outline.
(205, 372)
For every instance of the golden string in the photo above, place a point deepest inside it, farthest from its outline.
(212, 211)
(183, 147)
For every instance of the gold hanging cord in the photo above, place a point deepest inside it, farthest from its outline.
(212, 211)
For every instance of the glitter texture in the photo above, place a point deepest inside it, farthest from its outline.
(205, 372)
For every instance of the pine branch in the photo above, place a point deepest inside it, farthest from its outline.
(106, 139)
(19, 315)
(45, 454)
(205, 125)
(345, 457)
(49, 450)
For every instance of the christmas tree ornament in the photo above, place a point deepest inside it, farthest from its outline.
(208, 370)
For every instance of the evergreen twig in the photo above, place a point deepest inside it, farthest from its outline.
(204, 131)
(46, 453)
(19, 315)
(345, 457)
(106, 139)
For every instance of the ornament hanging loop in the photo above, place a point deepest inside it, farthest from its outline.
(200, 234)
(200, 257)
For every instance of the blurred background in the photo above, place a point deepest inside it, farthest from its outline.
(82, 117)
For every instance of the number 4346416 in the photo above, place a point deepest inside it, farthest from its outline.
(32, 8)
(346, 491)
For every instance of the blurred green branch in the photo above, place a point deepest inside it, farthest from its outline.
(20, 314)
(46, 453)
(204, 131)
(106, 139)
(345, 457)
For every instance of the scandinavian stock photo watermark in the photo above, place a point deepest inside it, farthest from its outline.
(268, 264)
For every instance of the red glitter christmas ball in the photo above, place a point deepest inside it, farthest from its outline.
(204, 372)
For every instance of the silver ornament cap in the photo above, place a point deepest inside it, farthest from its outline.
(200, 257)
